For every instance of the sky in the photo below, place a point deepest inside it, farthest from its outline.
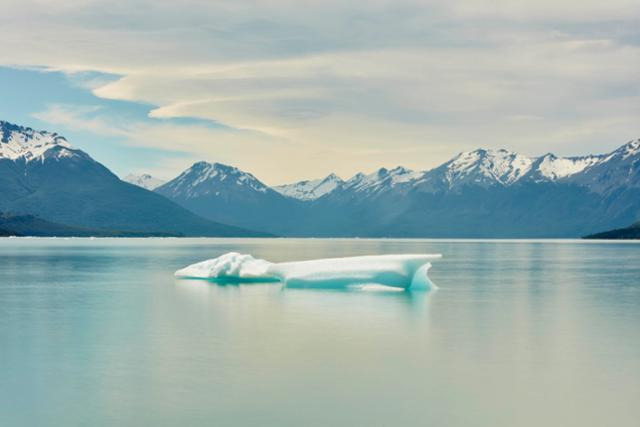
(292, 90)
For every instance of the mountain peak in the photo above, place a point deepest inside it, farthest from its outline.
(144, 180)
(24, 142)
(486, 167)
(331, 177)
(399, 170)
(200, 164)
(214, 167)
(212, 178)
(631, 148)
(382, 179)
(310, 189)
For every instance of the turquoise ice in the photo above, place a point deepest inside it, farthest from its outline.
(405, 271)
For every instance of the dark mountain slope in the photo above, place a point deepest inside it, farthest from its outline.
(627, 233)
(29, 225)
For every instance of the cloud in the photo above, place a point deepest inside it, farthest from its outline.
(335, 85)
(77, 117)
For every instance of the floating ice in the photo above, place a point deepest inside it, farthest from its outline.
(232, 266)
(400, 271)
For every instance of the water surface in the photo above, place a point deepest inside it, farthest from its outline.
(527, 333)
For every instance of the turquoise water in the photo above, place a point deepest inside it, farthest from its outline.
(98, 332)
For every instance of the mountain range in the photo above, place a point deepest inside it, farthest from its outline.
(480, 193)
(42, 175)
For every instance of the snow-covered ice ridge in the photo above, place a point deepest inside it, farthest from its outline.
(18, 142)
(398, 271)
(144, 180)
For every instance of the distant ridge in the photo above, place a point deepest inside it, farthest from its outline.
(481, 167)
(628, 233)
(29, 225)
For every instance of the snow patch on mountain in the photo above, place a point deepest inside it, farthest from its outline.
(552, 167)
(18, 142)
(144, 180)
(310, 189)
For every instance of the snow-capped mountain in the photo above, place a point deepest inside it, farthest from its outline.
(310, 189)
(479, 168)
(485, 167)
(227, 194)
(479, 193)
(42, 175)
(206, 179)
(144, 180)
(615, 171)
(18, 142)
(488, 168)
(501, 167)
(381, 179)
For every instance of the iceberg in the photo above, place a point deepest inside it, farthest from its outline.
(407, 271)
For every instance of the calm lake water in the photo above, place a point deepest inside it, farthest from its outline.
(98, 332)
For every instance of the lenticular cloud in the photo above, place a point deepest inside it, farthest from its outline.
(398, 271)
